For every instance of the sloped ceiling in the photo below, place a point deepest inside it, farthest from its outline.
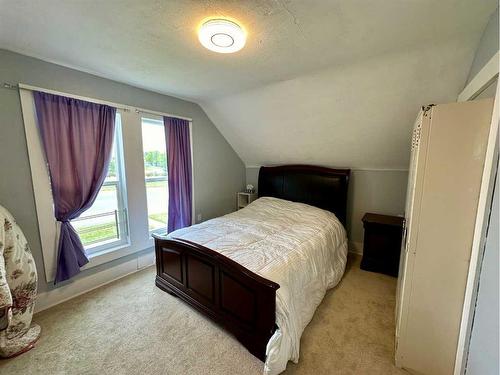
(358, 115)
(327, 82)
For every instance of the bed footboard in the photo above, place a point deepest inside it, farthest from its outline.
(241, 301)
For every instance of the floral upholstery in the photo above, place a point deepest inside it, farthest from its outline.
(18, 285)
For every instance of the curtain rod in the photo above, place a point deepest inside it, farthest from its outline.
(123, 107)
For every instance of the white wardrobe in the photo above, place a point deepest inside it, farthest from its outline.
(447, 157)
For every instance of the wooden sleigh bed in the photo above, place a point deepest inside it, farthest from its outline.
(241, 301)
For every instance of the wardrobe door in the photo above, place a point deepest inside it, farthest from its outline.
(441, 232)
(415, 179)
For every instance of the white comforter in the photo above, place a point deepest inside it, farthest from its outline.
(300, 247)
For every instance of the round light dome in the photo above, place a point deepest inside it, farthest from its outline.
(222, 36)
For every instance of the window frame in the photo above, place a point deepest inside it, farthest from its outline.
(154, 119)
(139, 239)
(121, 197)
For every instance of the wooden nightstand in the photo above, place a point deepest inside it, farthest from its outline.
(382, 243)
(244, 199)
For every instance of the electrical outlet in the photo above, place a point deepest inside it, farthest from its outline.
(198, 218)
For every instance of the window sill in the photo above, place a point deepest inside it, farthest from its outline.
(113, 253)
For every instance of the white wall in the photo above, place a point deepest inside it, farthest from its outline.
(483, 352)
(380, 191)
(358, 115)
(488, 46)
(484, 346)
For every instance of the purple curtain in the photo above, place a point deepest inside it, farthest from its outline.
(77, 137)
(179, 173)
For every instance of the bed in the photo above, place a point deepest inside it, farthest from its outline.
(260, 272)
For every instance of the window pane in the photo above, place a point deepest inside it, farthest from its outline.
(155, 169)
(99, 223)
(157, 192)
(113, 174)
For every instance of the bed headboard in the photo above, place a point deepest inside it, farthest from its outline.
(321, 187)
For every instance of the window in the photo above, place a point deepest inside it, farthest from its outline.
(155, 169)
(115, 226)
(103, 225)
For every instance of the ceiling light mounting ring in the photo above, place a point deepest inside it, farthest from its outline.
(221, 35)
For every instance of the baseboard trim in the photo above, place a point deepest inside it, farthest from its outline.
(355, 247)
(86, 284)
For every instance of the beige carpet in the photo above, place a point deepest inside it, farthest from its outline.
(132, 327)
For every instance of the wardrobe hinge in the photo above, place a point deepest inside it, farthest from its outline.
(427, 108)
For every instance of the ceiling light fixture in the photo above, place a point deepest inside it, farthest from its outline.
(222, 36)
